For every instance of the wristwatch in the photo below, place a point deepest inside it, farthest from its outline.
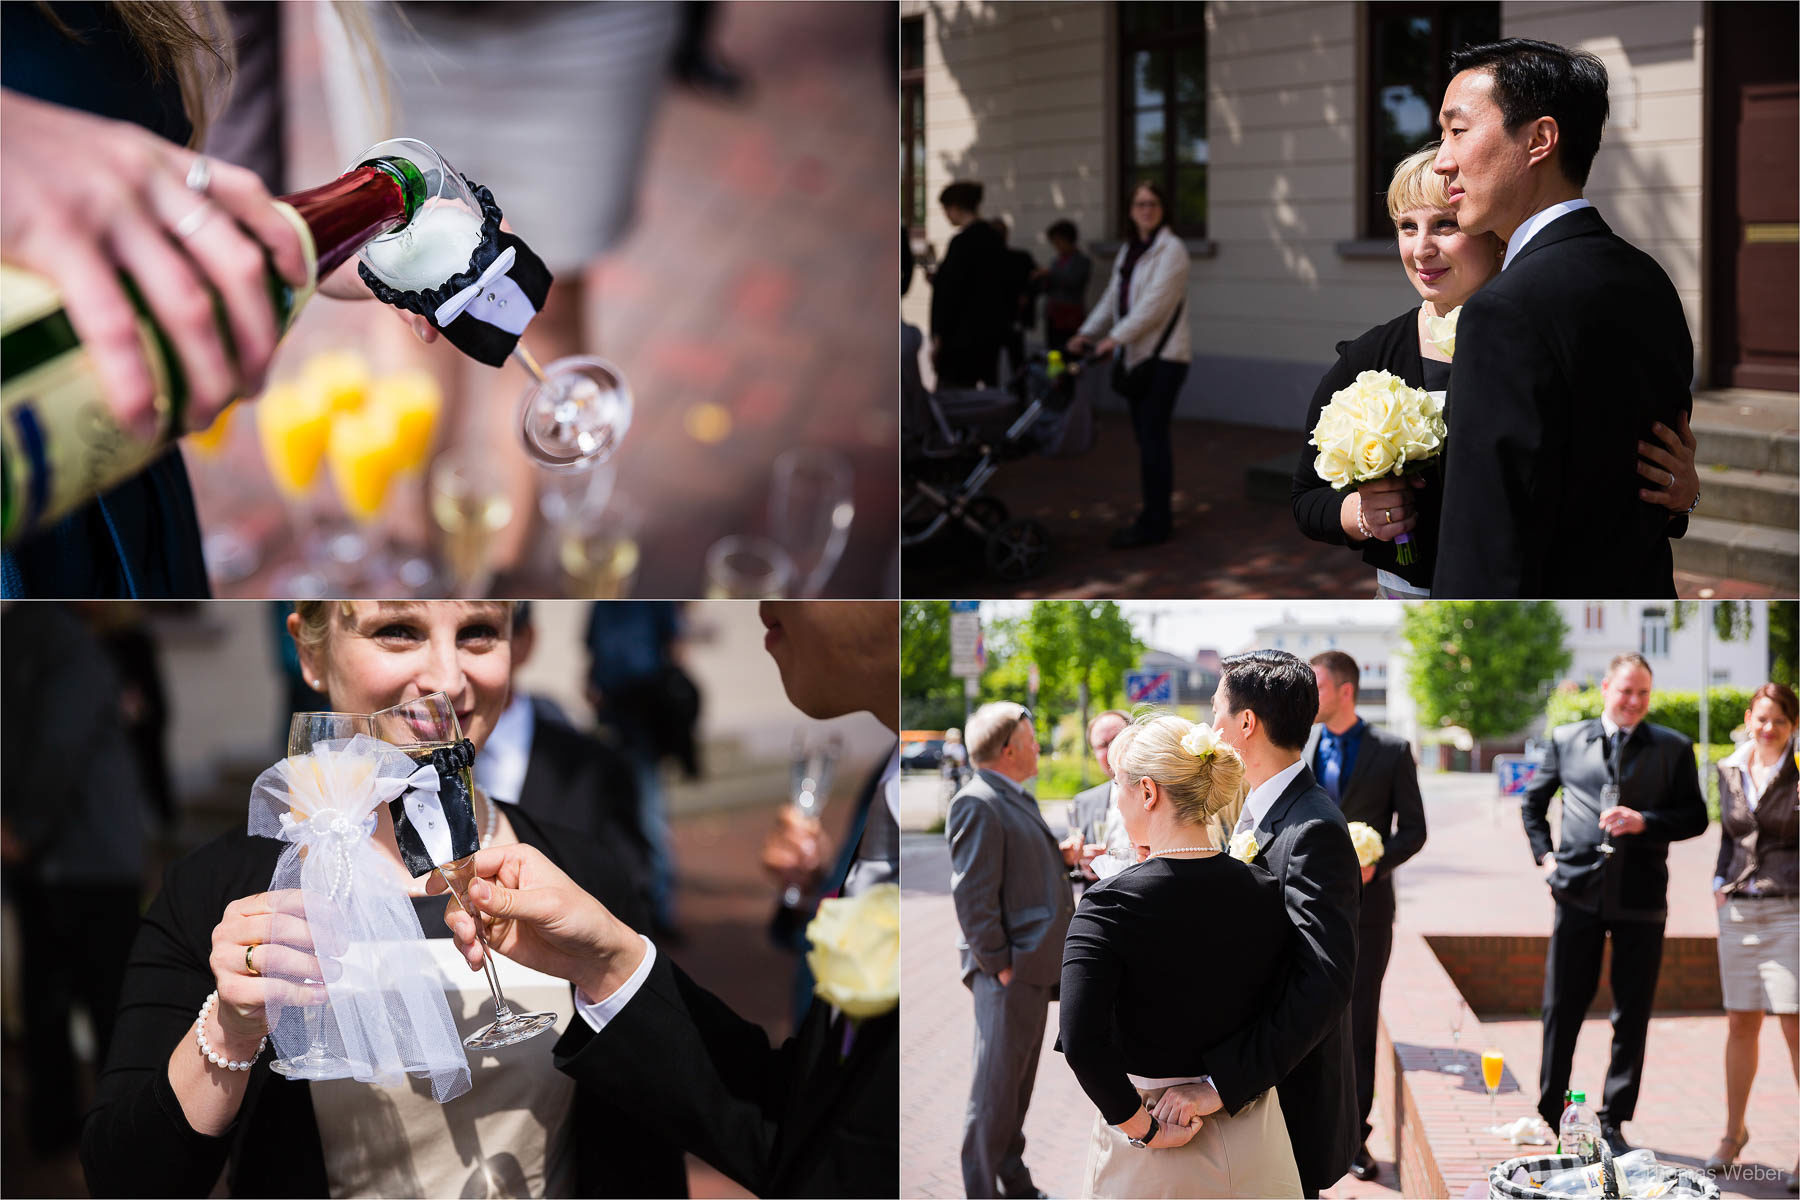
(1143, 1143)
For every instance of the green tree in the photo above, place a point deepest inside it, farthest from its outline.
(930, 697)
(1483, 664)
(1732, 620)
(1784, 652)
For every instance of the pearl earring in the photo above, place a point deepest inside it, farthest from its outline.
(316, 685)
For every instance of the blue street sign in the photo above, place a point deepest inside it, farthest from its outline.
(1514, 772)
(1150, 687)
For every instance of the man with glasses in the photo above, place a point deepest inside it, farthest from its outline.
(1009, 881)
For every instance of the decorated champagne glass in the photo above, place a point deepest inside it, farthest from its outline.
(305, 731)
(443, 836)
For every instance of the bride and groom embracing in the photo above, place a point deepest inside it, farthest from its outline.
(1567, 467)
(1206, 988)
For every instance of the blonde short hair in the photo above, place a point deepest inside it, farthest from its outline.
(990, 728)
(316, 618)
(1416, 185)
(1198, 788)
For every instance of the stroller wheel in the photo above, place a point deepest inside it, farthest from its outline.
(986, 512)
(1018, 549)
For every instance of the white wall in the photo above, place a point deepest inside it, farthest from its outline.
(1737, 664)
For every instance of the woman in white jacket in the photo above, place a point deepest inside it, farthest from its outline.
(1142, 316)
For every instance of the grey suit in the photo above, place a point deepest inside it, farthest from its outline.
(1013, 901)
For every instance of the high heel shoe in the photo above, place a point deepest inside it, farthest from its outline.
(1718, 1162)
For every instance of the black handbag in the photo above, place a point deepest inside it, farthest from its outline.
(1134, 384)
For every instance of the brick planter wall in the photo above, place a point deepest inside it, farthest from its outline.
(1505, 974)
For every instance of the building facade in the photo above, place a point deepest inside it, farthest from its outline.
(1602, 629)
(1274, 125)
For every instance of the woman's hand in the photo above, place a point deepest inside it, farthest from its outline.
(1077, 344)
(1670, 467)
(536, 915)
(83, 199)
(1385, 506)
(1186, 1103)
(262, 954)
(1719, 899)
(1105, 347)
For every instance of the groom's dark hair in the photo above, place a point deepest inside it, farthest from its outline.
(1279, 688)
(1541, 79)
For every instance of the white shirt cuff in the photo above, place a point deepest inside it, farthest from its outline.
(598, 1012)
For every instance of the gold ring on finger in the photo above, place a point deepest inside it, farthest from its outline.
(189, 225)
(249, 963)
(1387, 515)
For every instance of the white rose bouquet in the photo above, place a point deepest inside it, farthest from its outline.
(1368, 843)
(1378, 426)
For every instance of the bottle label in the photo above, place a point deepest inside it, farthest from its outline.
(60, 443)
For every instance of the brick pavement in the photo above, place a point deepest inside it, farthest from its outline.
(1226, 545)
(756, 291)
(1475, 875)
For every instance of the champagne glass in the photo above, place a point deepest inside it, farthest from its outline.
(810, 509)
(470, 505)
(1457, 1017)
(597, 548)
(740, 567)
(305, 731)
(575, 413)
(814, 764)
(1493, 1062)
(419, 727)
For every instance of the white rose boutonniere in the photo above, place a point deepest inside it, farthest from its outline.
(855, 955)
(1369, 847)
(1441, 331)
(1243, 846)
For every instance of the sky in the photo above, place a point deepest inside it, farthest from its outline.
(1228, 626)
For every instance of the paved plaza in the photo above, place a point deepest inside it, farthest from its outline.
(1474, 875)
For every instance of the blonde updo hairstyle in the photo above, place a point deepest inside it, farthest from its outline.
(1198, 789)
(1416, 185)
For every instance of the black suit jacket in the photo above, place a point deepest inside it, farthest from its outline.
(136, 1142)
(1303, 1042)
(586, 784)
(1658, 778)
(1383, 793)
(1563, 360)
(788, 1120)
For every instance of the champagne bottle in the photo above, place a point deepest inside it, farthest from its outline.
(60, 444)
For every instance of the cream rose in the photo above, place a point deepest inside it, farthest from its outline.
(1243, 846)
(1441, 331)
(1369, 847)
(1375, 455)
(855, 955)
(1202, 741)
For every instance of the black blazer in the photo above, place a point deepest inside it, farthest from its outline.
(1562, 362)
(1658, 778)
(137, 1142)
(972, 301)
(1383, 793)
(585, 784)
(1393, 347)
(788, 1120)
(1303, 1042)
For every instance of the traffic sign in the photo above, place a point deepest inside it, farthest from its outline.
(1150, 687)
(1515, 772)
(967, 654)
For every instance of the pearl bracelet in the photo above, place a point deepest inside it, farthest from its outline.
(216, 1059)
(1362, 525)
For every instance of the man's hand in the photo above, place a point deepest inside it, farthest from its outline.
(1719, 899)
(1619, 820)
(1005, 976)
(1171, 1135)
(1548, 867)
(537, 916)
(1186, 1103)
(1071, 849)
(1368, 872)
(1670, 466)
(794, 851)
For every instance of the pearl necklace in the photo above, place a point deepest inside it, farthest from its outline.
(493, 822)
(1185, 850)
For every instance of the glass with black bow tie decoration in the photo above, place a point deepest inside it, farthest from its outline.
(480, 286)
(436, 830)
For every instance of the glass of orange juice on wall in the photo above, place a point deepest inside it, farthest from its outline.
(1493, 1065)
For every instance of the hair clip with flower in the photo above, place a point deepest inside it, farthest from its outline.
(1202, 741)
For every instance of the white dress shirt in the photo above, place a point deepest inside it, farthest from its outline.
(1537, 221)
(500, 767)
(1263, 797)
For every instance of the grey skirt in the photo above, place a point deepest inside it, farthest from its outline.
(1759, 954)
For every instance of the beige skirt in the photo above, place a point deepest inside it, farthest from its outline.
(1246, 1155)
(1759, 954)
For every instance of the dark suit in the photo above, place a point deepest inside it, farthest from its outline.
(1563, 360)
(1383, 793)
(1303, 1043)
(792, 1120)
(1626, 897)
(1013, 902)
(972, 306)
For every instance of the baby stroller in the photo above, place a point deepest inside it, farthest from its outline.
(952, 445)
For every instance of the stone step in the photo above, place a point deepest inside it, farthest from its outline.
(1735, 550)
(1272, 480)
(1752, 497)
(1748, 430)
